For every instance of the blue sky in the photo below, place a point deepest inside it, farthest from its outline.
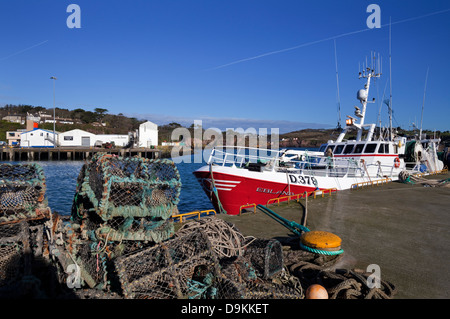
(225, 61)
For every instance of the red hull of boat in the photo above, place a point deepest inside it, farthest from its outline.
(236, 191)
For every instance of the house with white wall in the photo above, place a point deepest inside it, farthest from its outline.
(82, 138)
(147, 134)
(119, 140)
(77, 138)
(38, 138)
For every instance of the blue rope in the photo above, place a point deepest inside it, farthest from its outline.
(321, 252)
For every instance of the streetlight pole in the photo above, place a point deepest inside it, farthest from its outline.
(54, 108)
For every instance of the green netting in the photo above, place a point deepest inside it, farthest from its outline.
(136, 229)
(131, 186)
(22, 192)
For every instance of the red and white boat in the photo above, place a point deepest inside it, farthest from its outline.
(234, 177)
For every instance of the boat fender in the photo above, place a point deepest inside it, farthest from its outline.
(397, 162)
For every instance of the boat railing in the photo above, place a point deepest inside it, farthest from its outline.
(240, 156)
(303, 162)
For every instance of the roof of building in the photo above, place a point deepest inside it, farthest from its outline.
(39, 129)
(150, 125)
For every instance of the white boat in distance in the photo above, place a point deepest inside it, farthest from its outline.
(239, 176)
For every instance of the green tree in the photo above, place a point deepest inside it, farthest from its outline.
(100, 113)
(88, 117)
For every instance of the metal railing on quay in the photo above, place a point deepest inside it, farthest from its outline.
(200, 213)
(288, 198)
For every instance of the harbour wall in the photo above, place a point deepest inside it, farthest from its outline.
(71, 153)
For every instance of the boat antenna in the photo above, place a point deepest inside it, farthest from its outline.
(390, 81)
(423, 103)
(381, 104)
(337, 84)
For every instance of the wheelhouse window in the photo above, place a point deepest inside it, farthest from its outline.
(348, 149)
(384, 148)
(358, 148)
(370, 148)
(322, 148)
(339, 149)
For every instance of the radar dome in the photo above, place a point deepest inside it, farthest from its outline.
(362, 95)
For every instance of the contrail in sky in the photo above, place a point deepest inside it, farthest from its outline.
(323, 40)
(21, 51)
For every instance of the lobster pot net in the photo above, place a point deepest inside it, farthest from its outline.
(225, 238)
(81, 262)
(24, 259)
(266, 256)
(13, 239)
(22, 191)
(240, 280)
(131, 186)
(182, 267)
(140, 229)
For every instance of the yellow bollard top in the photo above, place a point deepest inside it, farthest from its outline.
(320, 240)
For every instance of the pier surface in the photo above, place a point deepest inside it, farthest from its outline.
(402, 228)
(71, 153)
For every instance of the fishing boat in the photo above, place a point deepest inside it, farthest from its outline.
(235, 177)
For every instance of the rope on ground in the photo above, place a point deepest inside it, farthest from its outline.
(342, 283)
(225, 238)
(405, 177)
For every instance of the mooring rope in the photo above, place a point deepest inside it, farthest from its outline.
(214, 190)
(321, 251)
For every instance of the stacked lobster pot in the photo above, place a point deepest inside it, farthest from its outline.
(22, 193)
(24, 221)
(121, 204)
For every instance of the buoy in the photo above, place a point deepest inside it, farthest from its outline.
(321, 240)
(316, 292)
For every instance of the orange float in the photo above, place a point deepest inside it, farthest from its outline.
(316, 292)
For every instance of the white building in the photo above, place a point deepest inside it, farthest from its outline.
(37, 138)
(82, 138)
(119, 140)
(77, 138)
(147, 134)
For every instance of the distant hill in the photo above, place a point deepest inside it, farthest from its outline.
(97, 122)
(308, 137)
(100, 122)
(315, 137)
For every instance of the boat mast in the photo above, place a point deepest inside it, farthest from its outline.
(362, 95)
(337, 84)
(390, 83)
(423, 103)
